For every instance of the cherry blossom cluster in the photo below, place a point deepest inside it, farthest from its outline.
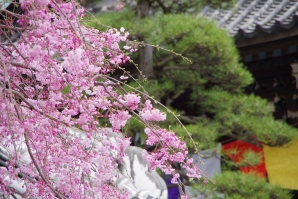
(169, 148)
(55, 78)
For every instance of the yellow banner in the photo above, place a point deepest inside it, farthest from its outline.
(282, 164)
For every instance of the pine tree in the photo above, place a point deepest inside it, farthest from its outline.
(193, 67)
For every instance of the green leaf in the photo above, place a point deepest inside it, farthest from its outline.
(66, 90)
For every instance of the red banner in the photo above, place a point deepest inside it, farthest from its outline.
(240, 147)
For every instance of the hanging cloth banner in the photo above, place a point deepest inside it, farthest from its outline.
(211, 166)
(282, 165)
(211, 161)
(241, 147)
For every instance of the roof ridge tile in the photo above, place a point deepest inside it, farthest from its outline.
(249, 17)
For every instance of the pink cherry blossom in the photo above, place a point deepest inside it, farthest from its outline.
(119, 119)
(150, 114)
(131, 100)
(55, 96)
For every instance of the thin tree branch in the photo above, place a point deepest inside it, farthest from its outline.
(20, 88)
(78, 22)
(165, 61)
(40, 172)
(176, 117)
(6, 81)
(171, 99)
(106, 84)
(33, 107)
(15, 28)
(188, 119)
(6, 50)
(12, 44)
(23, 66)
(177, 68)
(11, 13)
(164, 8)
(71, 25)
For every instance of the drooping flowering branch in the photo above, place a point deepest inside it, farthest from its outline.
(53, 79)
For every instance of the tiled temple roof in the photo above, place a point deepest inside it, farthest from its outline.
(250, 17)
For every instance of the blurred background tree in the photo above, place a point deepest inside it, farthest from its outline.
(201, 79)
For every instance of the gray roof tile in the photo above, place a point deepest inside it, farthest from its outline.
(249, 17)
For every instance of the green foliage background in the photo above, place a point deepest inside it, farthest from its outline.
(212, 79)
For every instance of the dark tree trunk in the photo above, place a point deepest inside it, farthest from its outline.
(143, 8)
(146, 63)
(146, 52)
